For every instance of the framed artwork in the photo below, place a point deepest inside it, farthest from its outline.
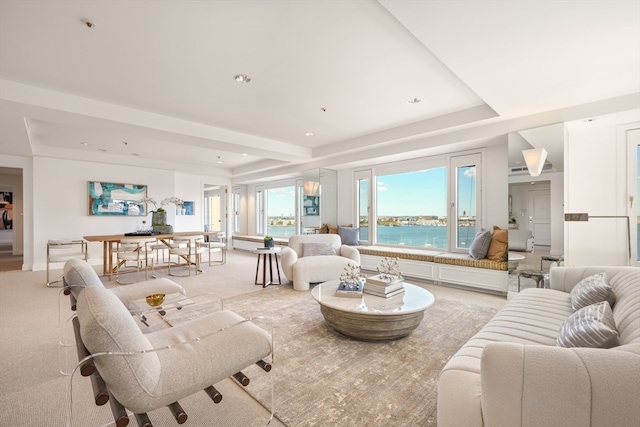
(189, 208)
(311, 205)
(112, 199)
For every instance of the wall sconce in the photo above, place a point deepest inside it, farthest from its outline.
(587, 217)
(311, 188)
(535, 160)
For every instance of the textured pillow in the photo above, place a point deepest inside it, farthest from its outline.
(349, 235)
(480, 244)
(591, 326)
(315, 249)
(499, 243)
(591, 290)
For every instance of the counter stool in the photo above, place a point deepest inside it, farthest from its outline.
(62, 250)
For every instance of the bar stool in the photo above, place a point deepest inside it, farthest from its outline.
(137, 251)
(188, 248)
(217, 244)
(62, 250)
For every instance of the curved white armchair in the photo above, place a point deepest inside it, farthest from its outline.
(316, 258)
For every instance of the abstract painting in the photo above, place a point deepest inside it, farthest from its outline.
(111, 199)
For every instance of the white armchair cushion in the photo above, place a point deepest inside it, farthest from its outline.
(316, 249)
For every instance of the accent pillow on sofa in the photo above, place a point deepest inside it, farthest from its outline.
(480, 244)
(499, 243)
(591, 290)
(349, 235)
(592, 326)
(316, 249)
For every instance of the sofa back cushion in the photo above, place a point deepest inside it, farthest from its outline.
(78, 274)
(296, 242)
(626, 310)
(107, 326)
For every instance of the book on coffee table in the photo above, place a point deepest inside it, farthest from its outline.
(383, 294)
(344, 290)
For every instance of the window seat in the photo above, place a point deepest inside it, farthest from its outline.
(457, 269)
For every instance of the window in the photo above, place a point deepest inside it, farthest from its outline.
(411, 208)
(428, 203)
(260, 217)
(363, 205)
(281, 208)
(235, 211)
(465, 196)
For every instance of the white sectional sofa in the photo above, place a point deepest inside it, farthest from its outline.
(512, 373)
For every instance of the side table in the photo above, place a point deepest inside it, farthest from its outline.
(536, 275)
(272, 253)
(550, 258)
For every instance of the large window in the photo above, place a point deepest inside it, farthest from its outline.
(431, 204)
(411, 208)
(235, 200)
(281, 208)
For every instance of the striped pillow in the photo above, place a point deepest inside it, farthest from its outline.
(591, 290)
(591, 326)
(314, 249)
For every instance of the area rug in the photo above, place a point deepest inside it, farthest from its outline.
(325, 378)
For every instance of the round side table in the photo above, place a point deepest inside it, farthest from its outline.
(271, 253)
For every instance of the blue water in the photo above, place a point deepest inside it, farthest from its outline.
(409, 235)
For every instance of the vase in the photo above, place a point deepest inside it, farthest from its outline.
(183, 211)
(159, 218)
(269, 243)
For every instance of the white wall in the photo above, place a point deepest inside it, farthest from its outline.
(596, 183)
(60, 201)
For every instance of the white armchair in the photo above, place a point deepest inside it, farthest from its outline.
(316, 258)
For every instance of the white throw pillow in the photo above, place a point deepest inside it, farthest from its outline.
(316, 249)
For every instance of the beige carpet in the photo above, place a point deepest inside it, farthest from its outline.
(324, 378)
(321, 378)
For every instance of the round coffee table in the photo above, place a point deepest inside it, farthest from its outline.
(372, 318)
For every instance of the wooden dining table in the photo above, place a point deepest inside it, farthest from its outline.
(109, 239)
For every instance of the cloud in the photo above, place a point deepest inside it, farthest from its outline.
(381, 186)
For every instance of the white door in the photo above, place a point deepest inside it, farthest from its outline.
(540, 216)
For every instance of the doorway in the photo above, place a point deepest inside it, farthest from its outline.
(540, 216)
(214, 215)
(11, 241)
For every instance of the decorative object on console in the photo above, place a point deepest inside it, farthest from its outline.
(111, 199)
(155, 300)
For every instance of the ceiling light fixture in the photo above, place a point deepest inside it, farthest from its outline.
(245, 154)
(309, 134)
(219, 160)
(414, 101)
(535, 160)
(89, 23)
(242, 78)
(84, 143)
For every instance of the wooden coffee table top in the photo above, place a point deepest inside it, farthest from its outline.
(413, 300)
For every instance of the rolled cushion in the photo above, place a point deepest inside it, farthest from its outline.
(316, 249)
(592, 326)
(349, 235)
(498, 246)
(480, 245)
(590, 290)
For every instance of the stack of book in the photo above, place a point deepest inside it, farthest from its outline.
(384, 288)
(345, 290)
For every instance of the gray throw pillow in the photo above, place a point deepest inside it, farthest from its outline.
(592, 326)
(480, 245)
(349, 235)
(591, 290)
(316, 249)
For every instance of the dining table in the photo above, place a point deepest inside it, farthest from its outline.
(108, 240)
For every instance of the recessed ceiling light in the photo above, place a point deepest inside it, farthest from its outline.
(590, 120)
(308, 134)
(414, 101)
(219, 160)
(102, 149)
(84, 143)
(245, 154)
(242, 78)
(89, 23)
(135, 154)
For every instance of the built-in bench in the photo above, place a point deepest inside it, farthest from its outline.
(432, 265)
(441, 267)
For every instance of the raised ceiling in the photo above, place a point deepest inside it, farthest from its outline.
(151, 83)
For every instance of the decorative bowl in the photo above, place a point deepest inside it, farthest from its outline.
(155, 299)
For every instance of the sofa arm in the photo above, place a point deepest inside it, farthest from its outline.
(524, 385)
(351, 253)
(289, 258)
